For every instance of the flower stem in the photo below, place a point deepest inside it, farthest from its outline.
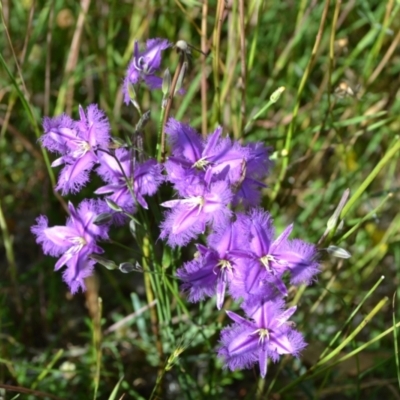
(161, 157)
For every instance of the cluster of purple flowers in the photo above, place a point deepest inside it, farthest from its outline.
(243, 257)
(218, 184)
(85, 145)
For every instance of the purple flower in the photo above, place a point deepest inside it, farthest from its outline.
(199, 276)
(201, 206)
(216, 159)
(74, 242)
(253, 172)
(146, 180)
(266, 335)
(130, 184)
(58, 132)
(77, 141)
(210, 157)
(190, 154)
(268, 259)
(214, 267)
(144, 64)
(189, 148)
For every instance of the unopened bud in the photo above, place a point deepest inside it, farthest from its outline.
(335, 216)
(127, 267)
(132, 227)
(338, 252)
(181, 76)
(132, 97)
(166, 83)
(131, 92)
(277, 94)
(109, 264)
(113, 205)
(103, 219)
(81, 112)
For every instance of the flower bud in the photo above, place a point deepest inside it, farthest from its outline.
(132, 227)
(166, 83)
(109, 264)
(338, 252)
(277, 94)
(181, 76)
(113, 205)
(127, 267)
(103, 219)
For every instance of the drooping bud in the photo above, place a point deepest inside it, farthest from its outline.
(338, 252)
(113, 205)
(103, 219)
(109, 264)
(127, 267)
(132, 227)
(166, 83)
(181, 76)
(131, 92)
(132, 97)
(332, 222)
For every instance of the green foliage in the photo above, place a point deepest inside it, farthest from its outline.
(334, 126)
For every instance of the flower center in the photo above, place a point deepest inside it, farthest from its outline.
(195, 201)
(201, 164)
(263, 333)
(82, 148)
(141, 65)
(266, 261)
(78, 243)
(223, 268)
(225, 264)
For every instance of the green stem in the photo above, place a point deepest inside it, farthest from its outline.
(347, 322)
(286, 150)
(335, 352)
(273, 99)
(165, 114)
(386, 158)
(160, 133)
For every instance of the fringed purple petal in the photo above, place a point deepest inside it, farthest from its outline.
(95, 127)
(184, 140)
(198, 277)
(58, 131)
(52, 247)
